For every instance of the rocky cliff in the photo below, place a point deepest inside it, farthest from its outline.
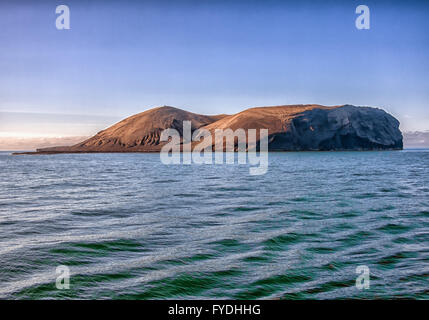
(343, 128)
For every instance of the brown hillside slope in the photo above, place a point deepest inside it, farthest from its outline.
(275, 119)
(140, 132)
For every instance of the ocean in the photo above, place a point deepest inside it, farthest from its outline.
(129, 227)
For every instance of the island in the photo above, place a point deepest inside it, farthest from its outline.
(290, 128)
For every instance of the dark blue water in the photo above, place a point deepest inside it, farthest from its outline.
(130, 227)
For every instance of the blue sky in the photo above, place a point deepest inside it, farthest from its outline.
(124, 57)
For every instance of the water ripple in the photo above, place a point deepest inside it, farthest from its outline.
(132, 228)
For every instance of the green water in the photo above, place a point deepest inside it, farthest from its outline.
(129, 227)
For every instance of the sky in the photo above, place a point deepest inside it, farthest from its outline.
(206, 56)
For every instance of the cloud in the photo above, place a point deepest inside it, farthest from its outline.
(417, 139)
(33, 143)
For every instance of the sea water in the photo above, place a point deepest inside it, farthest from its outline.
(129, 227)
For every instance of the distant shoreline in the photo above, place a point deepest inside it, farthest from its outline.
(274, 151)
